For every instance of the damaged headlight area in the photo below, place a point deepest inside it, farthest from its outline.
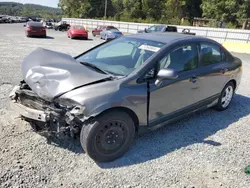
(73, 116)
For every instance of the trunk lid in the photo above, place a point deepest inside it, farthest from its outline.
(50, 74)
(80, 31)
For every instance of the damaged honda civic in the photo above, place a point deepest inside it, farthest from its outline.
(107, 94)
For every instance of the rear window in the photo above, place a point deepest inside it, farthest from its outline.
(111, 27)
(114, 30)
(171, 29)
(35, 24)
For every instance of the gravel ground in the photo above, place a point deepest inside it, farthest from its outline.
(210, 149)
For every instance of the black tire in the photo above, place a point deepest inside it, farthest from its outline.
(108, 136)
(220, 105)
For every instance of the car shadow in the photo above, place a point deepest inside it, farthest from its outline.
(183, 133)
(47, 37)
(64, 141)
(82, 39)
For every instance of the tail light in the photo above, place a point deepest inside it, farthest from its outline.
(29, 27)
(43, 28)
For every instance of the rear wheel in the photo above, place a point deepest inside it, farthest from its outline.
(108, 137)
(226, 97)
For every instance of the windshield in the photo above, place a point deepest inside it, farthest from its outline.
(121, 56)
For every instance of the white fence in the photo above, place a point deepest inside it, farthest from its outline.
(218, 34)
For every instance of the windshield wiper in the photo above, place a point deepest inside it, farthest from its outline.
(94, 67)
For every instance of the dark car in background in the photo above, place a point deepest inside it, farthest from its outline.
(164, 28)
(159, 28)
(62, 26)
(49, 25)
(110, 92)
(35, 29)
(110, 33)
(100, 28)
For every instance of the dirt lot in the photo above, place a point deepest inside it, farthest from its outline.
(210, 149)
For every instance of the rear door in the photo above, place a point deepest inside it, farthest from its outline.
(212, 70)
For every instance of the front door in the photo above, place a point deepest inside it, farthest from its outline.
(174, 95)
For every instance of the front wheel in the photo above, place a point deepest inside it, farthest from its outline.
(226, 97)
(108, 136)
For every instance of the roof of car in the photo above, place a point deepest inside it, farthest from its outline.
(164, 37)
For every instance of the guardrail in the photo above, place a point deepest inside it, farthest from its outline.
(218, 34)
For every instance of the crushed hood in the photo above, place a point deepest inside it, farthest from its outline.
(49, 73)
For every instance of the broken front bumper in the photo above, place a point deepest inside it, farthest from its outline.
(25, 111)
(47, 115)
(29, 113)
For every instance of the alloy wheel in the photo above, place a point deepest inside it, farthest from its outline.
(227, 96)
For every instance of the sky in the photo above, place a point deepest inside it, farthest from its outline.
(50, 3)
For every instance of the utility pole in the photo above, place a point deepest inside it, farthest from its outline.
(105, 13)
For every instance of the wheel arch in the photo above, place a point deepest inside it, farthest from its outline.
(130, 112)
(234, 82)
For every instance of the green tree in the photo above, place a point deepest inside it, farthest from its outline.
(229, 11)
(18, 9)
(164, 11)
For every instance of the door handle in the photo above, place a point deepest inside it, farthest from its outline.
(193, 79)
(223, 70)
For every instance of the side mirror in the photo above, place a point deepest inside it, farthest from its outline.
(165, 74)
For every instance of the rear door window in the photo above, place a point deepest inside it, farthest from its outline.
(210, 54)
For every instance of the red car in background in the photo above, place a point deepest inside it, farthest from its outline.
(100, 28)
(77, 31)
(35, 29)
